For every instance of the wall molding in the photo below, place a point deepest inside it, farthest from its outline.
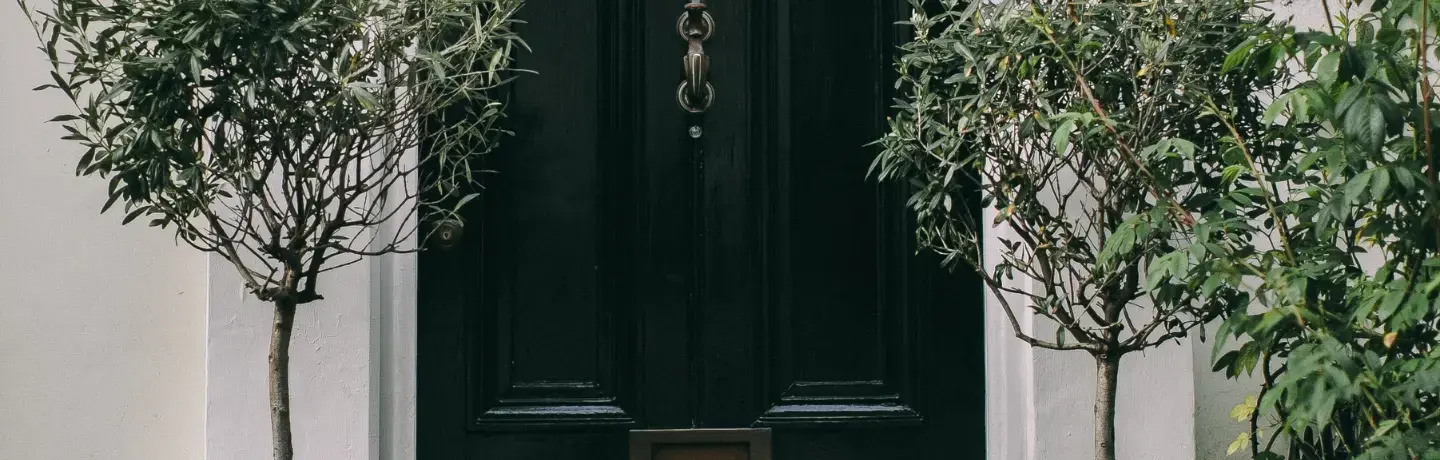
(1009, 371)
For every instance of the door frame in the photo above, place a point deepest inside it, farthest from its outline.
(375, 303)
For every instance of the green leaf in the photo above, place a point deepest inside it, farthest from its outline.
(463, 200)
(367, 100)
(84, 162)
(1185, 147)
(59, 118)
(110, 202)
(1228, 175)
(1238, 55)
(1273, 111)
(1407, 182)
(1211, 283)
(1164, 267)
(1365, 124)
(1328, 68)
(1347, 99)
(1374, 133)
(1322, 404)
(1335, 161)
(1119, 242)
(1362, 312)
(1061, 141)
(1379, 183)
(1239, 443)
(1225, 361)
(195, 72)
(1384, 427)
(1241, 412)
(62, 84)
(1364, 32)
(1309, 160)
(1390, 304)
(133, 214)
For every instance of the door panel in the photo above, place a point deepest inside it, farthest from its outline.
(621, 274)
(553, 330)
(843, 345)
(527, 326)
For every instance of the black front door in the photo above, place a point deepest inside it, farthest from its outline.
(635, 267)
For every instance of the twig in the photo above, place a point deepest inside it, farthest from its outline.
(1425, 94)
(1329, 18)
(1020, 334)
(1180, 213)
(1255, 414)
(1265, 188)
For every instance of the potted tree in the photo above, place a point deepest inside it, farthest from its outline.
(280, 135)
(1081, 123)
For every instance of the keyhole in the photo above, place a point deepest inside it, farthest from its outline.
(448, 233)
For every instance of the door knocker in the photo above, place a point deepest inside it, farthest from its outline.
(695, 25)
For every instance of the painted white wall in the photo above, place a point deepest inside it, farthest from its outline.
(1040, 403)
(329, 379)
(102, 343)
(1154, 406)
(352, 369)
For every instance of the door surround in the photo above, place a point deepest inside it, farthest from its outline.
(374, 303)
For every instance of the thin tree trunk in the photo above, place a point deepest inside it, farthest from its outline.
(284, 449)
(1106, 378)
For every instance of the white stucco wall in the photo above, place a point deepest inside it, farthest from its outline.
(352, 366)
(102, 343)
(329, 379)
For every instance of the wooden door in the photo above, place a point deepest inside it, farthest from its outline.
(621, 273)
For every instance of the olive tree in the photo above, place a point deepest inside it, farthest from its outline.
(281, 134)
(1081, 124)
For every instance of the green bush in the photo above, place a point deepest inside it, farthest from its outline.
(1344, 261)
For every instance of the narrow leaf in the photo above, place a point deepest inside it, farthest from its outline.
(132, 215)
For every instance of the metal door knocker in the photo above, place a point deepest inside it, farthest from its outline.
(695, 25)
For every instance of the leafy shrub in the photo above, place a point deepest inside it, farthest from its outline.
(1344, 258)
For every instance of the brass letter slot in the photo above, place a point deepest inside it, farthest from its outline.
(700, 444)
